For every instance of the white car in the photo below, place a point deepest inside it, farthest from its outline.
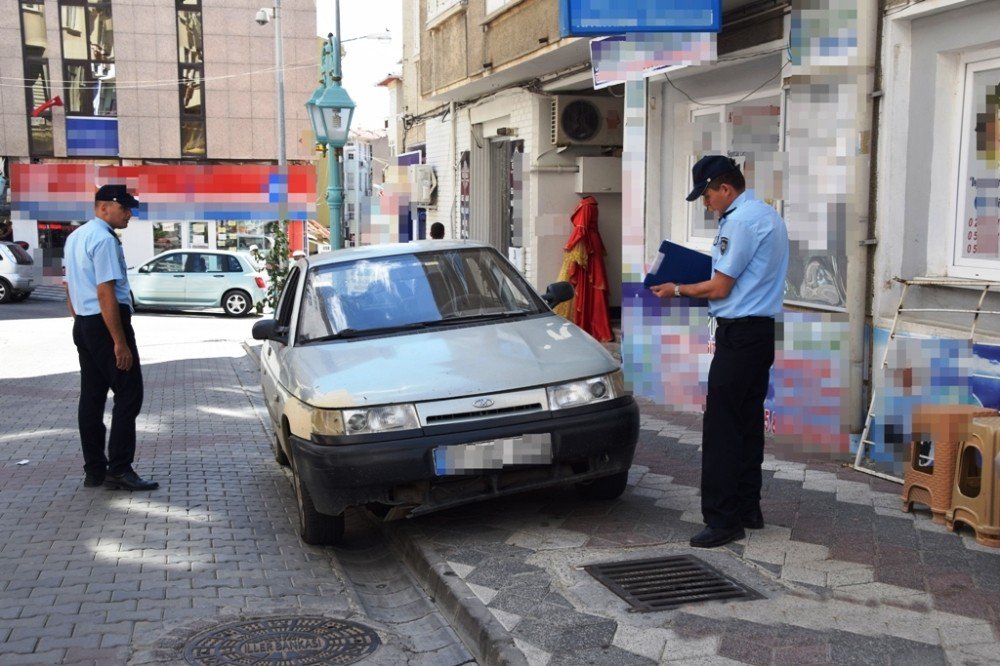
(17, 273)
(419, 376)
(198, 279)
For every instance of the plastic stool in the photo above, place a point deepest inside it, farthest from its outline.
(975, 495)
(946, 426)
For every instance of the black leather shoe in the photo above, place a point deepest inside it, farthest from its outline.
(753, 521)
(710, 537)
(93, 481)
(129, 481)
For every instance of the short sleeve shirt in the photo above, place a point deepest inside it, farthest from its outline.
(93, 256)
(752, 248)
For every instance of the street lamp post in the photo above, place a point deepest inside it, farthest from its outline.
(263, 17)
(330, 110)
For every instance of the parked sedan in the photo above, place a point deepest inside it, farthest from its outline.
(198, 279)
(420, 376)
(17, 273)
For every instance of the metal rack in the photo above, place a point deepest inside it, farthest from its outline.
(900, 309)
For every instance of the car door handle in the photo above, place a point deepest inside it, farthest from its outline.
(218, 276)
(178, 276)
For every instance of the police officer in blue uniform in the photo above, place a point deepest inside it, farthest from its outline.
(745, 294)
(100, 303)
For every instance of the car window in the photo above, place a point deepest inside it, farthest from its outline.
(411, 289)
(20, 255)
(286, 301)
(169, 263)
(196, 263)
(232, 264)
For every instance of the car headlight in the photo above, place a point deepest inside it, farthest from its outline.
(380, 419)
(367, 421)
(586, 391)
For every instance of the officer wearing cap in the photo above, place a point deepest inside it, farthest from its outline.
(745, 294)
(100, 303)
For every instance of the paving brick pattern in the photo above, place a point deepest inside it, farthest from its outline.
(848, 578)
(92, 576)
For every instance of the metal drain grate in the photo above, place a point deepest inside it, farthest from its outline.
(667, 582)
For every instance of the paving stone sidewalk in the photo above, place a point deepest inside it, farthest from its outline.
(92, 576)
(847, 577)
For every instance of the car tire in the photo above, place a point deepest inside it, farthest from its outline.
(605, 488)
(315, 528)
(236, 302)
(279, 453)
(6, 291)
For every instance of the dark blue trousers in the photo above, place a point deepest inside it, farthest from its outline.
(98, 375)
(733, 429)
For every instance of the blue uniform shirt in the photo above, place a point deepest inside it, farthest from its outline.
(93, 256)
(752, 248)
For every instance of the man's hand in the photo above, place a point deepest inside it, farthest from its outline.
(664, 290)
(123, 357)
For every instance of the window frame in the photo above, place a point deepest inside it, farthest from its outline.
(185, 69)
(90, 82)
(959, 266)
(43, 120)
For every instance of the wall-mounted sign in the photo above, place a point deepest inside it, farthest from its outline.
(600, 17)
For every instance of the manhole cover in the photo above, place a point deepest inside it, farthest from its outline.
(667, 582)
(285, 641)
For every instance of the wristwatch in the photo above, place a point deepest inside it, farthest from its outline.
(677, 290)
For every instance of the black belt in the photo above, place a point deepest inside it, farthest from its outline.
(723, 321)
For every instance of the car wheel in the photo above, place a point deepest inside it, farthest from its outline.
(605, 488)
(236, 303)
(315, 528)
(6, 292)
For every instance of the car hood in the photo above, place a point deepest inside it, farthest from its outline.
(444, 363)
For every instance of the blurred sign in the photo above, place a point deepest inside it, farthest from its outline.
(619, 58)
(601, 17)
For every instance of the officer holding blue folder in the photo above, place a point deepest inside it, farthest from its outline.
(745, 293)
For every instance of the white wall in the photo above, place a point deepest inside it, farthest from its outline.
(918, 150)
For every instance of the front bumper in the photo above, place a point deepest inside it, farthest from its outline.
(587, 443)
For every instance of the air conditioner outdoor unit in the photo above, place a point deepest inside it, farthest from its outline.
(422, 183)
(587, 121)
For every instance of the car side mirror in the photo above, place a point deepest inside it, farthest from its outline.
(557, 292)
(144, 269)
(268, 329)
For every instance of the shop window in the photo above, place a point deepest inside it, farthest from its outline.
(34, 52)
(166, 236)
(977, 233)
(198, 234)
(970, 471)
(749, 131)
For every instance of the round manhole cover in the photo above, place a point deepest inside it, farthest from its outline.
(284, 641)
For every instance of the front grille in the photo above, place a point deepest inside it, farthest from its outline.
(482, 413)
(667, 582)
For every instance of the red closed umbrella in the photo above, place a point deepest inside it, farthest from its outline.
(583, 267)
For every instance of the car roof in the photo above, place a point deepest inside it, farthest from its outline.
(391, 250)
(197, 249)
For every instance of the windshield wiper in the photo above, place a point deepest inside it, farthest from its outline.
(346, 333)
(458, 319)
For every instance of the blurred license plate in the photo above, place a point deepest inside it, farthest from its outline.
(533, 449)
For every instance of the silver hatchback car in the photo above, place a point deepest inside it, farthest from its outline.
(198, 279)
(419, 376)
(17, 273)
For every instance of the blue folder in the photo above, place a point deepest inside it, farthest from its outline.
(679, 264)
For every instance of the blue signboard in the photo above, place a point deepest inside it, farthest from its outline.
(612, 17)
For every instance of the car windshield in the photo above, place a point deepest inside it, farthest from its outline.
(412, 291)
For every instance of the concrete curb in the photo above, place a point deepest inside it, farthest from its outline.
(481, 632)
